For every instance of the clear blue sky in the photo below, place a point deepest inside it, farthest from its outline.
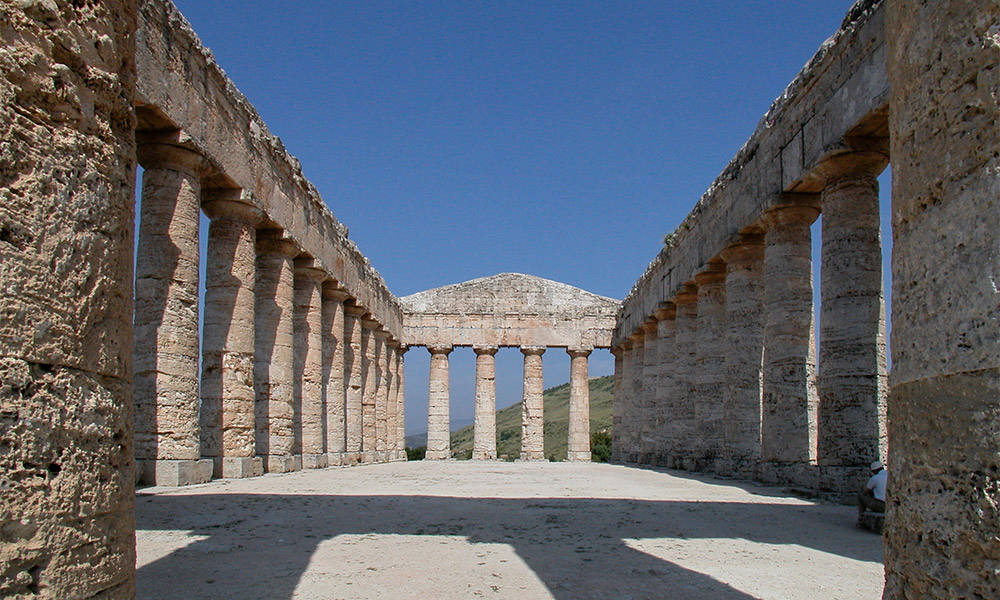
(462, 139)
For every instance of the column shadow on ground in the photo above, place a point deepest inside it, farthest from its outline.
(575, 547)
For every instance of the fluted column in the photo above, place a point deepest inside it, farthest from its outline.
(391, 410)
(355, 382)
(484, 444)
(228, 434)
(334, 339)
(308, 380)
(369, 396)
(401, 402)
(851, 378)
(532, 408)
(637, 396)
(438, 415)
(744, 352)
(685, 425)
(666, 390)
(788, 424)
(650, 383)
(274, 356)
(578, 443)
(383, 381)
(167, 445)
(710, 376)
(619, 403)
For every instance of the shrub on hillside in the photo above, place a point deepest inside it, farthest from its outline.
(600, 446)
(416, 453)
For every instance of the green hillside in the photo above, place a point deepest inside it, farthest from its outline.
(556, 422)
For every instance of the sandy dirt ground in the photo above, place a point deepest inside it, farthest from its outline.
(436, 530)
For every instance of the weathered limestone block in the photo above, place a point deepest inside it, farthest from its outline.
(650, 384)
(438, 419)
(484, 442)
(66, 242)
(401, 403)
(685, 429)
(370, 352)
(851, 380)
(383, 381)
(309, 380)
(227, 382)
(333, 371)
(710, 371)
(354, 388)
(274, 355)
(532, 409)
(788, 423)
(618, 405)
(578, 444)
(744, 352)
(942, 535)
(666, 390)
(166, 309)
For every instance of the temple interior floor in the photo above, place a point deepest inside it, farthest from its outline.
(498, 530)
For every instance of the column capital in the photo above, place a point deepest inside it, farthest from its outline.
(226, 204)
(369, 323)
(648, 327)
(579, 351)
(382, 334)
(533, 350)
(666, 311)
(305, 269)
(333, 291)
(688, 294)
(715, 272)
(485, 350)
(440, 349)
(275, 241)
(355, 310)
(855, 164)
(794, 213)
(638, 337)
(747, 249)
(162, 155)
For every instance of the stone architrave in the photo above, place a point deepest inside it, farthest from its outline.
(228, 434)
(618, 404)
(851, 378)
(438, 413)
(274, 355)
(334, 339)
(532, 409)
(66, 208)
(354, 387)
(309, 381)
(650, 384)
(166, 318)
(744, 352)
(943, 509)
(369, 369)
(665, 396)
(709, 373)
(686, 341)
(578, 442)
(401, 402)
(484, 444)
(788, 419)
(383, 382)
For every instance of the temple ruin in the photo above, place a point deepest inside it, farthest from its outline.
(302, 348)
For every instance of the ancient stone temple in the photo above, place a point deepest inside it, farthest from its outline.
(106, 377)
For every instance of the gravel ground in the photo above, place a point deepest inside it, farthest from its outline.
(435, 530)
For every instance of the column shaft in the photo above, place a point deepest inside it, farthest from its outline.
(384, 380)
(788, 424)
(369, 395)
(401, 404)
(438, 420)
(637, 396)
(666, 391)
(650, 384)
(308, 326)
(484, 444)
(274, 356)
(333, 372)
(227, 385)
(619, 403)
(355, 384)
(532, 408)
(685, 425)
(578, 443)
(709, 374)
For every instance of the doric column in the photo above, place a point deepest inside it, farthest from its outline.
(618, 403)
(744, 352)
(851, 378)
(334, 339)
(167, 445)
(370, 352)
(666, 391)
(355, 381)
(637, 397)
(532, 408)
(685, 425)
(484, 444)
(401, 402)
(438, 416)
(391, 407)
(650, 383)
(383, 381)
(274, 356)
(308, 380)
(788, 423)
(709, 373)
(227, 390)
(578, 443)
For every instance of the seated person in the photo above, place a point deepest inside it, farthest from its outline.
(873, 496)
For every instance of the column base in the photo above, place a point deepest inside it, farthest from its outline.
(174, 473)
(350, 459)
(335, 459)
(532, 455)
(314, 461)
(437, 455)
(484, 455)
(282, 464)
(239, 467)
(368, 457)
(578, 455)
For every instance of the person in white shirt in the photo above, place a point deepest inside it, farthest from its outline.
(873, 496)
